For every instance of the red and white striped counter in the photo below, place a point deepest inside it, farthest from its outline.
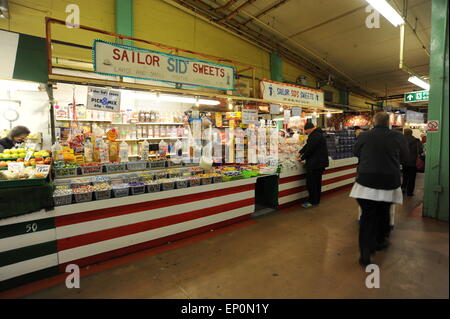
(292, 184)
(87, 233)
(41, 244)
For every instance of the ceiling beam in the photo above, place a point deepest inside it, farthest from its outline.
(238, 9)
(268, 43)
(326, 22)
(226, 5)
(266, 11)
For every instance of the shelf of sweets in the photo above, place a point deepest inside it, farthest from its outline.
(118, 174)
(82, 120)
(147, 123)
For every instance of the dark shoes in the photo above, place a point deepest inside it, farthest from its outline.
(364, 261)
(383, 245)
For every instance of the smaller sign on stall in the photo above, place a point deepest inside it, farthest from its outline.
(16, 167)
(433, 126)
(287, 116)
(233, 115)
(42, 171)
(274, 109)
(103, 99)
(218, 117)
(249, 116)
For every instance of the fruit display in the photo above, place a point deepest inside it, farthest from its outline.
(16, 153)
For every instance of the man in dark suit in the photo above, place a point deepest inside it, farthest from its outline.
(315, 155)
(380, 152)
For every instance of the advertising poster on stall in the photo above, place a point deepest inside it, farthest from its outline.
(249, 116)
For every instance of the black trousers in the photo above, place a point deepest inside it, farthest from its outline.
(409, 179)
(374, 226)
(314, 185)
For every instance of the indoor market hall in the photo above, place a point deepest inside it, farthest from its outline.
(223, 158)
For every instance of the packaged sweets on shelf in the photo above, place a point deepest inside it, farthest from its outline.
(137, 188)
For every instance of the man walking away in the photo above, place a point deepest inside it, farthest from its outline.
(380, 152)
(409, 167)
(315, 153)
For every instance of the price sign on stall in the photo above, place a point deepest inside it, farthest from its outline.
(16, 167)
(42, 170)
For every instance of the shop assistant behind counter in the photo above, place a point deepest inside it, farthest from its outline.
(17, 135)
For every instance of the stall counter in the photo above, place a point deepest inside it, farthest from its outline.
(292, 190)
(41, 244)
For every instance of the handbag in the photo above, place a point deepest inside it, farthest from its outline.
(420, 161)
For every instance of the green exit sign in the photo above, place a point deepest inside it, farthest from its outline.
(418, 96)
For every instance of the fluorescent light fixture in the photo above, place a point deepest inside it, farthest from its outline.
(387, 11)
(7, 85)
(419, 82)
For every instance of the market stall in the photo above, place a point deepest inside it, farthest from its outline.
(135, 165)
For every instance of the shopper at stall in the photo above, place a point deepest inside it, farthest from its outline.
(409, 166)
(358, 131)
(380, 152)
(315, 155)
(17, 135)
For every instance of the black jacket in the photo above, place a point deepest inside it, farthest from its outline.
(415, 148)
(5, 144)
(315, 152)
(380, 152)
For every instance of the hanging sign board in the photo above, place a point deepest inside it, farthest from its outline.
(417, 96)
(296, 111)
(414, 117)
(103, 99)
(282, 92)
(249, 116)
(116, 59)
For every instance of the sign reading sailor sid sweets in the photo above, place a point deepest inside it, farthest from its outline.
(282, 92)
(103, 100)
(117, 59)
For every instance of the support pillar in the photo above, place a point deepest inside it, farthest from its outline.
(125, 19)
(435, 203)
(276, 68)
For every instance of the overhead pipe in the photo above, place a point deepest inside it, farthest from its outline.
(235, 12)
(266, 11)
(261, 41)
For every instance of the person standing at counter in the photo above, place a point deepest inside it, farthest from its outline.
(409, 167)
(315, 155)
(380, 152)
(17, 135)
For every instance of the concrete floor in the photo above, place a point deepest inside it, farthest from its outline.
(295, 253)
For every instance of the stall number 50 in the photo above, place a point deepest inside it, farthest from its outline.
(31, 227)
